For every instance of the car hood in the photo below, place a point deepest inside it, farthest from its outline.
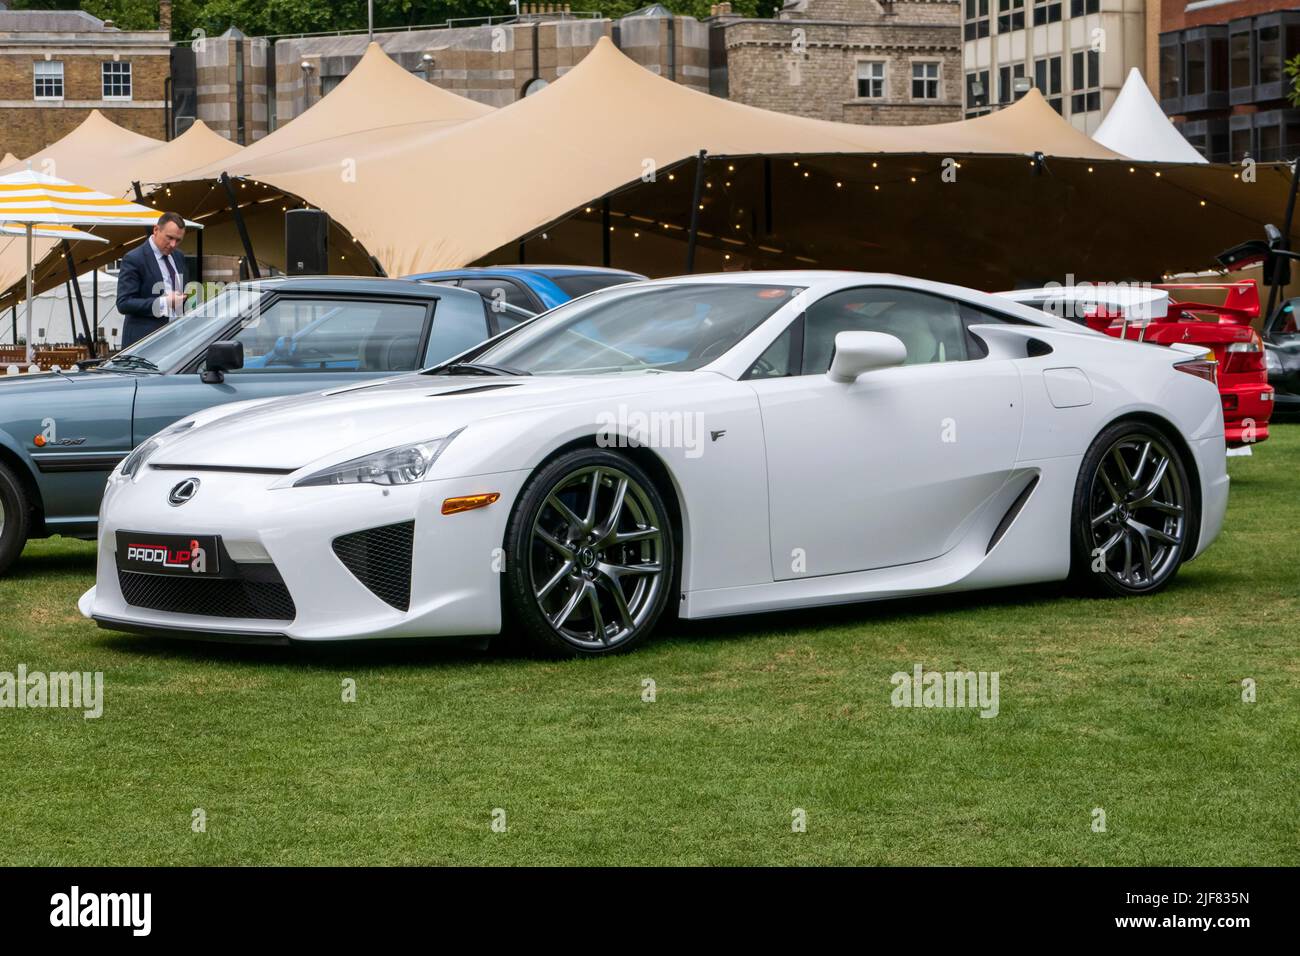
(17, 387)
(289, 433)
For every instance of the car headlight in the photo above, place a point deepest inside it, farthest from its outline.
(1272, 361)
(135, 461)
(403, 465)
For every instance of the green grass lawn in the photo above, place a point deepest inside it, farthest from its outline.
(1134, 707)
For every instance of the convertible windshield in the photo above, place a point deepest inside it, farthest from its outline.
(180, 338)
(666, 327)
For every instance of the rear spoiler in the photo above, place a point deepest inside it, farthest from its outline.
(1240, 304)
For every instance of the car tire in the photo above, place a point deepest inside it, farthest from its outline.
(588, 578)
(1134, 519)
(15, 518)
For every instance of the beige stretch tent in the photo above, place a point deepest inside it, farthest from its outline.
(109, 158)
(377, 107)
(965, 201)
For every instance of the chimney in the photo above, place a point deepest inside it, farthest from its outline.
(165, 16)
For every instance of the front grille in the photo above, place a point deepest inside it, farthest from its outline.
(380, 558)
(258, 593)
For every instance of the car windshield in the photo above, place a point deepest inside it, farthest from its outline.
(1284, 323)
(665, 327)
(576, 284)
(180, 338)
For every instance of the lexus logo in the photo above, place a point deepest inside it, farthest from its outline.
(183, 492)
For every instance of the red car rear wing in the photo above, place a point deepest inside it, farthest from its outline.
(1240, 305)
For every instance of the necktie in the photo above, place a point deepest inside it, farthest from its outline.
(171, 275)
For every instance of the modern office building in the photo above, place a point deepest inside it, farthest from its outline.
(1076, 52)
(1222, 76)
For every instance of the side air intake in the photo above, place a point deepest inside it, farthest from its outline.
(380, 558)
(1011, 514)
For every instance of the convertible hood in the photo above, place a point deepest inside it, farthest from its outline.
(289, 433)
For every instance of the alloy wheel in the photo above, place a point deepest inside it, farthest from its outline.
(1137, 514)
(597, 557)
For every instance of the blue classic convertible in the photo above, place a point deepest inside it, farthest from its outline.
(61, 433)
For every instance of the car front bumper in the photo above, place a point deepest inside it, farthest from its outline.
(270, 533)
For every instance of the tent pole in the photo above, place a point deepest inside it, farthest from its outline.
(81, 304)
(30, 351)
(13, 312)
(94, 309)
(198, 263)
(695, 211)
(604, 232)
(767, 195)
(72, 316)
(240, 227)
(1276, 286)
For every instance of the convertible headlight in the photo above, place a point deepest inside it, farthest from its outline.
(1271, 360)
(135, 461)
(403, 465)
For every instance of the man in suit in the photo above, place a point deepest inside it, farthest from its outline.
(151, 280)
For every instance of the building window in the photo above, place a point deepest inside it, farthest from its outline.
(328, 84)
(1268, 45)
(1011, 15)
(1241, 61)
(116, 80)
(47, 79)
(1079, 8)
(1085, 81)
(1007, 76)
(1047, 11)
(925, 81)
(977, 93)
(1047, 77)
(871, 80)
(977, 19)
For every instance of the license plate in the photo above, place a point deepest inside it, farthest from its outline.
(180, 554)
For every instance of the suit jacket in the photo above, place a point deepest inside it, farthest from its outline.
(139, 287)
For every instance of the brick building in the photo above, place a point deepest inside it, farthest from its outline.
(852, 61)
(57, 66)
(1221, 76)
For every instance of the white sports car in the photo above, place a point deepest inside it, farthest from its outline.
(706, 445)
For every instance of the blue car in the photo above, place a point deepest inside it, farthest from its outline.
(61, 433)
(534, 288)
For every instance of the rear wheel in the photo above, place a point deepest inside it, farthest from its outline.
(590, 555)
(1134, 522)
(15, 518)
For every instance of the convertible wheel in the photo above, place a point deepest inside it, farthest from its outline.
(1134, 520)
(15, 515)
(590, 555)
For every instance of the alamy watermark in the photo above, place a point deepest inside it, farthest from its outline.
(922, 688)
(656, 429)
(79, 690)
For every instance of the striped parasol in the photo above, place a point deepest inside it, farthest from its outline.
(38, 200)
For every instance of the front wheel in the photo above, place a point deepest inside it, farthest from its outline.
(1134, 522)
(590, 555)
(15, 518)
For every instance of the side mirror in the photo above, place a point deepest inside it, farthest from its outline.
(222, 357)
(858, 352)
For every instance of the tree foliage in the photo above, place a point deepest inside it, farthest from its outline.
(277, 17)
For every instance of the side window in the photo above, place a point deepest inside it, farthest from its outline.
(929, 326)
(496, 289)
(343, 335)
(782, 357)
(458, 324)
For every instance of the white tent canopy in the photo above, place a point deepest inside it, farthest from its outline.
(1138, 128)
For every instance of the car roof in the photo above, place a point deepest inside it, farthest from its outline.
(370, 285)
(517, 270)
